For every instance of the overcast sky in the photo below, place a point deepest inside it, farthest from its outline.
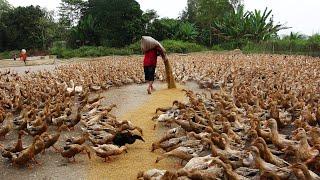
(302, 16)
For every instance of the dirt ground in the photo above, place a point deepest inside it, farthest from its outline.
(133, 104)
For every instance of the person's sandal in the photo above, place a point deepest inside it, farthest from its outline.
(149, 91)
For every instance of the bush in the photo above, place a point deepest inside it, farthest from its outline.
(92, 51)
(9, 54)
(173, 46)
(285, 46)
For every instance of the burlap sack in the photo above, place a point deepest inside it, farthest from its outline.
(148, 43)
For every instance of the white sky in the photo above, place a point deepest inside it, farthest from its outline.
(302, 16)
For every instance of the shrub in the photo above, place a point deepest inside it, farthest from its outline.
(9, 54)
(171, 46)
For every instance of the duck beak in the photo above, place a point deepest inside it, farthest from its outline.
(142, 139)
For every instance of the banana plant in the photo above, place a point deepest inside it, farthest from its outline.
(242, 26)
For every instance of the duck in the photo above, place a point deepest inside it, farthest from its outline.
(165, 118)
(228, 130)
(151, 174)
(4, 130)
(228, 170)
(309, 175)
(277, 139)
(183, 153)
(107, 150)
(18, 147)
(212, 172)
(303, 150)
(121, 139)
(51, 139)
(5, 153)
(74, 121)
(70, 151)
(27, 154)
(282, 173)
(37, 130)
(199, 163)
(79, 140)
(59, 121)
(39, 146)
(267, 155)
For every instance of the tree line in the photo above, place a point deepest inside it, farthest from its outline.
(119, 23)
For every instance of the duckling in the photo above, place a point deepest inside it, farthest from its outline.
(121, 139)
(107, 150)
(70, 151)
(18, 146)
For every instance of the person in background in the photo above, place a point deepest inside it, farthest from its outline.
(150, 64)
(15, 56)
(23, 56)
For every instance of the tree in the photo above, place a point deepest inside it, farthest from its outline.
(84, 33)
(118, 22)
(187, 32)
(70, 12)
(4, 6)
(236, 3)
(26, 27)
(189, 14)
(204, 12)
(165, 28)
(148, 18)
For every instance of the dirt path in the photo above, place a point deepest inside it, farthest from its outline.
(139, 157)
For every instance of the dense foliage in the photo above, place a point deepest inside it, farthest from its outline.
(115, 26)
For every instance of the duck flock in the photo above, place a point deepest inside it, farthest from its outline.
(259, 118)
